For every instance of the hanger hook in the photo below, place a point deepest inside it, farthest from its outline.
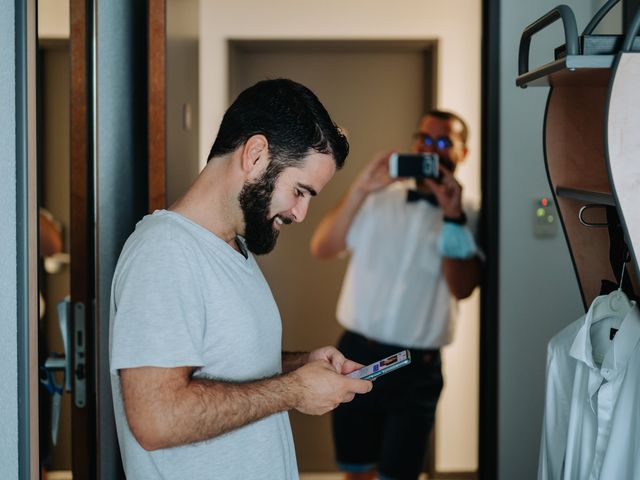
(583, 209)
(627, 257)
(624, 265)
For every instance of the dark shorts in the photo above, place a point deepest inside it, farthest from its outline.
(388, 428)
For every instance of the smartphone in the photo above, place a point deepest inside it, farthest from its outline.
(416, 165)
(383, 366)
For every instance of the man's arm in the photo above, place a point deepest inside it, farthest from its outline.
(167, 407)
(330, 237)
(462, 276)
(293, 360)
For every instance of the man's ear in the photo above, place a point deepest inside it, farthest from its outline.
(255, 153)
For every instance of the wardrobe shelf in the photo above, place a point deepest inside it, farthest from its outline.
(592, 70)
(588, 196)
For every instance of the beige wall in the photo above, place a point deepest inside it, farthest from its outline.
(456, 24)
(53, 19)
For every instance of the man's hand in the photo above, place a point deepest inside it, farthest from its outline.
(332, 355)
(321, 389)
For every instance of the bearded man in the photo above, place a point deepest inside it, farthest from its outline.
(201, 386)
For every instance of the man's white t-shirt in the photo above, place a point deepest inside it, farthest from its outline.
(181, 296)
(394, 290)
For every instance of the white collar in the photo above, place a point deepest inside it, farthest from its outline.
(622, 346)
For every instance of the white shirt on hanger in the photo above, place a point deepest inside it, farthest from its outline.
(591, 426)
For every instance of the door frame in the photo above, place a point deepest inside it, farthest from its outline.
(489, 305)
(26, 239)
(26, 228)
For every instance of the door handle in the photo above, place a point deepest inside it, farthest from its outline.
(57, 362)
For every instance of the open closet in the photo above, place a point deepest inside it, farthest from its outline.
(592, 157)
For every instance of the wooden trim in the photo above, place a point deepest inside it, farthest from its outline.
(78, 142)
(455, 475)
(157, 104)
(574, 158)
(83, 420)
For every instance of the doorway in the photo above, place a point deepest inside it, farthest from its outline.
(54, 185)
(376, 91)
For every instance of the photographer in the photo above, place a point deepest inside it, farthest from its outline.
(412, 255)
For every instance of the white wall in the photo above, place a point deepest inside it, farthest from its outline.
(538, 289)
(456, 24)
(8, 265)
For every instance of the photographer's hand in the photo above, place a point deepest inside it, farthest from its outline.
(375, 175)
(448, 191)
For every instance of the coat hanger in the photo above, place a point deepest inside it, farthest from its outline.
(615, 304)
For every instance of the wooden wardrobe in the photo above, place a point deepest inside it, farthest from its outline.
(592, 147)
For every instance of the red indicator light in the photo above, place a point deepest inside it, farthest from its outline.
(544, 202)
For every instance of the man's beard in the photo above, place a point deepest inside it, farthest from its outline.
(255, 202)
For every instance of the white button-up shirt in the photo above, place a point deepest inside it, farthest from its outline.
(591, 424)
(394, 290)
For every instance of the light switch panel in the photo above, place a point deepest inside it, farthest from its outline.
(545, 218)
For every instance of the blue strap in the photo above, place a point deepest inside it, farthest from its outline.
(456, 241)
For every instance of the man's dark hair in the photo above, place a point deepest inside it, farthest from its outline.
(445, 115)
(289, 115)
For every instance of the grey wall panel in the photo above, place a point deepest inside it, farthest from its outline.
(538, 289)
(8, 251)
(121, 175)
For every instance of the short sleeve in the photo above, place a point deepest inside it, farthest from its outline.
(358, 224)
(157, 309)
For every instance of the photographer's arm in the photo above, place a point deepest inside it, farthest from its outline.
(462, 276)
(330, 237)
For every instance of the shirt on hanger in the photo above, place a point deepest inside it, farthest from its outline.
(591, 426)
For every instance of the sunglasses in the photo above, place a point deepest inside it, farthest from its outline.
(440, 143)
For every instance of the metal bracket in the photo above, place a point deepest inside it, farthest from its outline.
(590, 224)
(79, 369)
